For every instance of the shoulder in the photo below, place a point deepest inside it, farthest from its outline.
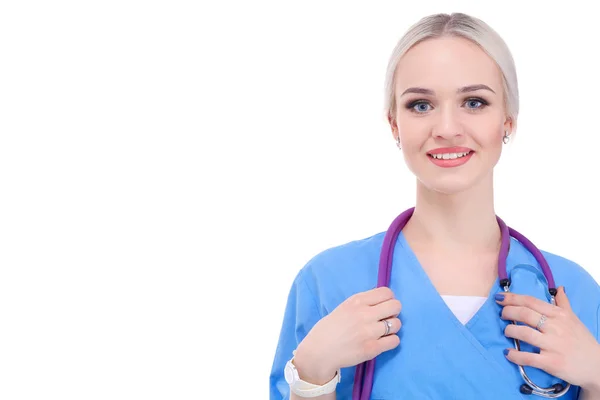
(570, 273)
(340, 271)
(344, 257)
(566, 271)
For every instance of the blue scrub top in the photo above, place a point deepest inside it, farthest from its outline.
(438, 357)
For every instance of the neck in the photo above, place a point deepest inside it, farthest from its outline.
(457, 223)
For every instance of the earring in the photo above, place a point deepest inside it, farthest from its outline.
(506, 137)
(398, 143)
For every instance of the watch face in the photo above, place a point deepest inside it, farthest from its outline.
(289, 375)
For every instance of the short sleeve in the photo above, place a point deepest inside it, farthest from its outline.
(598, 325)
(300, 315)
(597, 338)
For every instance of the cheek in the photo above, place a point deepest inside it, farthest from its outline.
(491, 137)
(413, 132)
(486, 130)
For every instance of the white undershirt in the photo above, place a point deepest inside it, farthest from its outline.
(464, 307)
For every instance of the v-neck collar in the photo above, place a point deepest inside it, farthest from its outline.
(482, 336)
(426, 309)
(413, 262)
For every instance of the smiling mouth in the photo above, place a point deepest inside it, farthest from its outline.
(449, 156)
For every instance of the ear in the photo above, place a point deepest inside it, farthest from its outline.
(393, 125)
(510, 125)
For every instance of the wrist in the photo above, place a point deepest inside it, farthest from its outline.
(311, 370)
(593, 384)
(591, 391)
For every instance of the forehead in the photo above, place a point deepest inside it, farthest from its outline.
(447, 64)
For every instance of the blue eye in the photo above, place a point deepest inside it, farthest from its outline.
(421, 107)
(424, 106)
(475, 104)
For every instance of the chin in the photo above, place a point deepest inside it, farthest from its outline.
(450, 181)
(449, 186)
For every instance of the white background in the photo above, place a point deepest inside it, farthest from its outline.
(167, 167)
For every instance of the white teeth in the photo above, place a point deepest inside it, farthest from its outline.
(449, 156)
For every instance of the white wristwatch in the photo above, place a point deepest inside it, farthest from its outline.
(305, 389)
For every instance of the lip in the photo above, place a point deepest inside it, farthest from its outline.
(442, 150)
(451, 163)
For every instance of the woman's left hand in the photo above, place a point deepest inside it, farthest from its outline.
(568, 350)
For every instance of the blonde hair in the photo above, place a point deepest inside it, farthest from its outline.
(456, 25)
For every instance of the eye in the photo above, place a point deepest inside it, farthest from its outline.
(475, 104)
(419, 107)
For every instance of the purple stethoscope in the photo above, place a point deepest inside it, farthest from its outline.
(363, 379)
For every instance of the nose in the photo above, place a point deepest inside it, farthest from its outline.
(447, 125)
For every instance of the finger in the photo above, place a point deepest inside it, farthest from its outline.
(522, 314)
(389, 308)
(525, 358)
(527, 335)
(562, 300)
(376, 296)
(388, 342)
(513, 299)
(379, 327)
(373, 348)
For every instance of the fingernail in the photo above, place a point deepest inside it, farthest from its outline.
(499, 297)
(506, 352)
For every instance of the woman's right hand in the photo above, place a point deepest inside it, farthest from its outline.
(351, 334)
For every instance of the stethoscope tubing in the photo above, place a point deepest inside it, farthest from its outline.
(363, 381)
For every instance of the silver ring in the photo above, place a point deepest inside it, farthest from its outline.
(388, 327)
(542, 320)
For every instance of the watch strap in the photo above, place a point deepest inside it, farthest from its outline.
(306, 389)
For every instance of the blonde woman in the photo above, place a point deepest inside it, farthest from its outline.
(434, 307)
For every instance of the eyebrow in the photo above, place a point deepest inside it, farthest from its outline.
(464, 89)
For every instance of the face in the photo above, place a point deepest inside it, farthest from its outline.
(450, 113)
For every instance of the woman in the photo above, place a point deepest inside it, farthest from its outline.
(443, 327)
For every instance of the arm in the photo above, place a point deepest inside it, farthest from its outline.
(300, 315)
(311, 374)
(592, 391)
(347, 336)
